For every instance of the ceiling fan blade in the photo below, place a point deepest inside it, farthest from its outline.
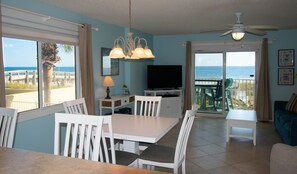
(263, 27)
(226, 33)
(256, 32)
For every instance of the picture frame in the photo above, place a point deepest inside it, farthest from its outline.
(286, 76)
(109, 66)
(286, 57)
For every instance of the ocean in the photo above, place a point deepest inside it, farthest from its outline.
(216, 72)
(63, 68)
(205, 72)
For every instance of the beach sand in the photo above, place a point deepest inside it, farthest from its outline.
(29, 100)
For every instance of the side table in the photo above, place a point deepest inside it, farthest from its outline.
(115, 102)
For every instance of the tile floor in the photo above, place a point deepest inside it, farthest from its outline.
(208, 152)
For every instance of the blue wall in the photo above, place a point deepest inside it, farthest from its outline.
(36, 135)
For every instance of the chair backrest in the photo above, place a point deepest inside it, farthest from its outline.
(77, 106)
(8, 119)
(218, 91)
(183, 136)
(147, 105)
(82, 136)
(228, 83)
(107, 152)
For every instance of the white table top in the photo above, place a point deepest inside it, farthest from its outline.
(141, 128)
(242, 115)
(15, 161)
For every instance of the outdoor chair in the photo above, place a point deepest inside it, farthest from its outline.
(168, 157)
(8, 119)
(216, 95)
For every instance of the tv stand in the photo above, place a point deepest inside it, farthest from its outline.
(171, 105)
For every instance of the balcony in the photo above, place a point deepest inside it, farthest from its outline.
(239, 95)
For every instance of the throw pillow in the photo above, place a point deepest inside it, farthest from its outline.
(292, 104)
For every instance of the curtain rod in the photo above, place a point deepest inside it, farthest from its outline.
(46, 17)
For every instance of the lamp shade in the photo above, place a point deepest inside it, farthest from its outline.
(117, 52)
(237, 35)
(107, 81)
(148, 53)
(138, 52)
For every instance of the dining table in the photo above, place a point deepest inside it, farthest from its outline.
(133, 129)
(17, 161)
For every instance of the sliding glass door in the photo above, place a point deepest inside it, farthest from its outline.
(208, 81)
(224, 81)
(240, 71)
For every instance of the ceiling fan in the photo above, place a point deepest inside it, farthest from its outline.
(239, 29)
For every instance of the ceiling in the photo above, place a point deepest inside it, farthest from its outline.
(171, 17)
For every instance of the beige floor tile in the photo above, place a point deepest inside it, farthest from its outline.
(208, 152)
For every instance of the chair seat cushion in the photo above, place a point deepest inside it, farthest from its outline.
(125, 158)
(158, 153)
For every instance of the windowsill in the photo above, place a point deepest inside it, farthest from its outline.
(38, 113)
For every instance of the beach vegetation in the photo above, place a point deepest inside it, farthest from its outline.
(49, 59)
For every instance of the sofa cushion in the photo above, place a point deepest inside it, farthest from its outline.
(285, 116)
(292, 104)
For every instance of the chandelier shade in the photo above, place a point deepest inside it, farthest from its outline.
(127, 48)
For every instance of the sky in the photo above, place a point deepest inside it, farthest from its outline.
(233, 59)
(23, 53)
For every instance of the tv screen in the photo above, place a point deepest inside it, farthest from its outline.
(164, 76)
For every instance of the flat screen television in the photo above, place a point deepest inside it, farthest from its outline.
(164, 76)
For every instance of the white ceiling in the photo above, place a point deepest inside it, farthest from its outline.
(160, 17)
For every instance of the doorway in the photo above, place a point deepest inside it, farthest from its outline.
(225, 80)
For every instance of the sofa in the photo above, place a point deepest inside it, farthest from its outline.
(285, 123)
(283, 159)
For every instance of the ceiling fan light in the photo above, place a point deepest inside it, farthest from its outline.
(237, 35)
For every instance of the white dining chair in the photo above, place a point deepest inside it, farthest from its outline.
(168, 157)
(77, 106)
(82, 136)
(108, 153)
(147, 105)
(8, 119)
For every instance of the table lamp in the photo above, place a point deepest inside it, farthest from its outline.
(107, 82)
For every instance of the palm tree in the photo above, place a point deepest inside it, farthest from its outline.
(49, 58)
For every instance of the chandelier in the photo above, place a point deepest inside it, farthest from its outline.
(127, 48)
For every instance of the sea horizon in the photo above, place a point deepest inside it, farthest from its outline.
(57, 68)
(201, 72)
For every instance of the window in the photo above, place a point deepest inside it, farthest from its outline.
(38, 74)
(39, 55)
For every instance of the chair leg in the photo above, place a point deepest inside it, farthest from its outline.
(140, 164)
(184, 167)
(227, 103)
